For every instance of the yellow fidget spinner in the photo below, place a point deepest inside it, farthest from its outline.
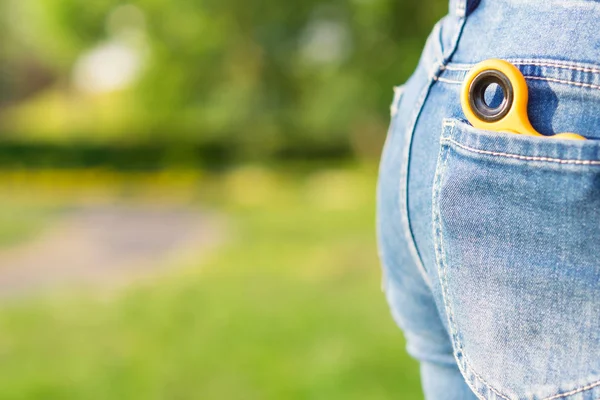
(511, 114)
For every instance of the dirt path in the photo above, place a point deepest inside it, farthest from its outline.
(104, 244)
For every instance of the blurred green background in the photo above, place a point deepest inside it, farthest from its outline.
(187, 197)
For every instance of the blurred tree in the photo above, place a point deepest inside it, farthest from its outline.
(21, 72)
(253, 78)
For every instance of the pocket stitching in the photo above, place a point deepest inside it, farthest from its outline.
(441, 255)
(512, 155)
(521, 157)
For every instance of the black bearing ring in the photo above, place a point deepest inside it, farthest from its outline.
(477, 95)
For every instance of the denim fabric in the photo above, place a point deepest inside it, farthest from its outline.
(490, 241)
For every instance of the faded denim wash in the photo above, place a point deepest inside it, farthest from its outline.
(490, 242)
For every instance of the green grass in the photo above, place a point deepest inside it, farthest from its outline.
(290, 307)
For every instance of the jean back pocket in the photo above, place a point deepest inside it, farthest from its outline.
(516, 223)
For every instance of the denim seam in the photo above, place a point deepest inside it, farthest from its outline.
(404, 170)
(403, 183)
(539, 78)
(574, 391)
(574, 66)
(522, 157)
(437, 68)
(454, 43)
(443, 269)
(535, 63)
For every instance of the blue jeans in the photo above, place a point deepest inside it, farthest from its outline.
(490, 242)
